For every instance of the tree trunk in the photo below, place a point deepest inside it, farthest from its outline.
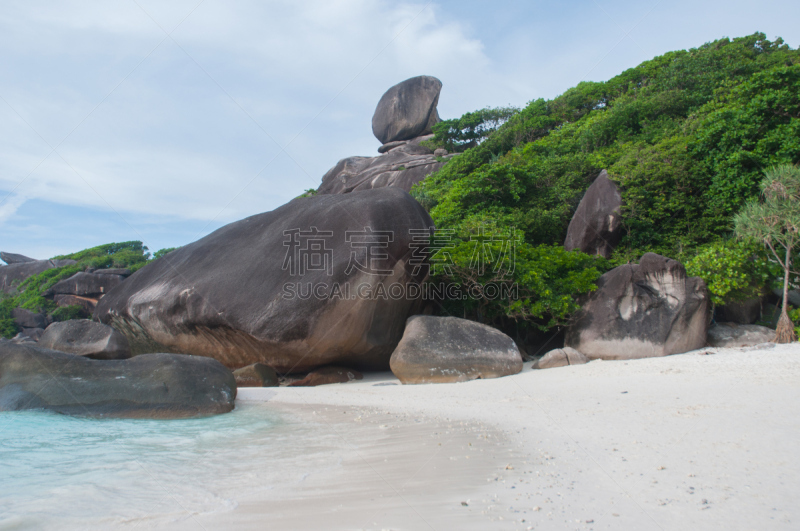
(784, 333)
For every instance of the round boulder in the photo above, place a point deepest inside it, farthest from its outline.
(86, 338)
(407, 110)
(449, 349)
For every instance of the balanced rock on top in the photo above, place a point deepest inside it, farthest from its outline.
(407, 110)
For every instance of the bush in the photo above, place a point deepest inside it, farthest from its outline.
(8, 328)
(161, 252)
(733, 270)
(67, 313)
(538, 285)
(794, 315)
(125, 255)
(471, 129)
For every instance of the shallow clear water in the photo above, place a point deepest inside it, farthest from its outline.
(59, 472)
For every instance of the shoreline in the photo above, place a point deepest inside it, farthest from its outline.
(701, 440)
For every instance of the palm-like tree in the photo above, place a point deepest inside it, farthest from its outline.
(774, 219)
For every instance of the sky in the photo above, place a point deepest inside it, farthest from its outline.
(141, 120)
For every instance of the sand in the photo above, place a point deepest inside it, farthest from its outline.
(704, 440)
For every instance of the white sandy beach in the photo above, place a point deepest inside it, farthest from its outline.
(703, 440)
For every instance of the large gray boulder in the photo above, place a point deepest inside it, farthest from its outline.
(149, 386)
(449, 349)
(11, 275)
(402, 166)
(241, 296)
(86, 285)
(640, 311)
(596, 225)
(86, 338)
(407, 110)
(11, 258)
(729, 335)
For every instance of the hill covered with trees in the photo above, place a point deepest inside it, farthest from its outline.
(687, 137)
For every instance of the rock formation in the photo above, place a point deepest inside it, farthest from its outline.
(402, 166)
(86, 338)
(256, 291)
(256, 375)
(560, 357)
(449, 349)
(28, 319)
(327, 376)
(92, 285)
(403, 119)
(11, 258)
(148, 386)
(596, 225)
(735, 335)
(15, 273)
(642, 310)
(407, 110)
(741, 312)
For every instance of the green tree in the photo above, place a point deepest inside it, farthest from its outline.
(775, 221)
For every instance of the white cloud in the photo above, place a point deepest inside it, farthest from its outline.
(169, 139)
(10, 206)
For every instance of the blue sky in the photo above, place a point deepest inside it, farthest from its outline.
(143, 121)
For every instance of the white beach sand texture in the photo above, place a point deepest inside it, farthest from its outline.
(703, 440)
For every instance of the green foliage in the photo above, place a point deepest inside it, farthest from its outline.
(733, 270)
(8, 328)
(458, 134)
(794, 315)
(308, 193)
(31, 293)
(536, 285)
(66, 313)
(125, 254)
(161, 252)
(685, 135)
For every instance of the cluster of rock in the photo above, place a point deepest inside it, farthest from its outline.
(246, 299)
(642, 310)
(403, 119)
(83, 289)
(20, 267)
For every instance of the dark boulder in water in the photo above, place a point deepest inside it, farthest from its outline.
(159, 386)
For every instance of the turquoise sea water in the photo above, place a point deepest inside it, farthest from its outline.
(59, 472)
